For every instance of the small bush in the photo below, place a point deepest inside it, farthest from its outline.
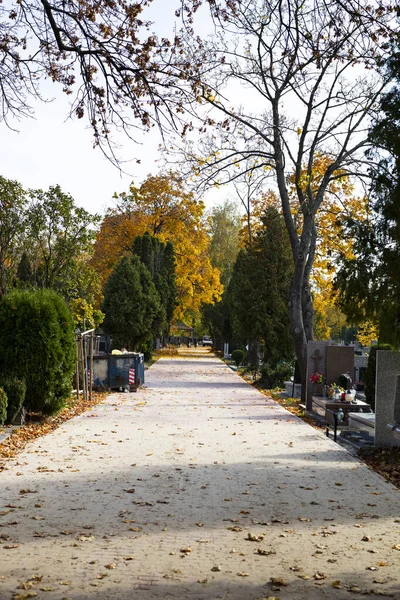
(15, 389)
(3, 406)
(272, 377)
(37, 344)
(237, 357)
(370, 374)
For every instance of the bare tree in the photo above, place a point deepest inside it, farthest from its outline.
(310, 69)
(102, 52)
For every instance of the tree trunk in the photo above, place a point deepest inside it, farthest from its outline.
(297, 323)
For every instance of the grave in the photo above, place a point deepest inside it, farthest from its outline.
(387, 399)
(316, 363)
(331, 361)
(293, 388)
(363, 426)
(339, 360)
(383, 427)
(360, 367)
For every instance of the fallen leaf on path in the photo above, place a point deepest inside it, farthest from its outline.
(396, 546)
(254, 538)
(47, 588)
(278, 581)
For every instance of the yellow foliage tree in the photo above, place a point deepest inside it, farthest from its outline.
(162, 207)
(339, 205)
(367, 333)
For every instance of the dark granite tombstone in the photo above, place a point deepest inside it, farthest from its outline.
(339, 360)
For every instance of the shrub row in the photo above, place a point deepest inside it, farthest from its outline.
(37, 342)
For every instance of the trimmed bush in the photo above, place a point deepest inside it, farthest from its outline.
(37, 342)
(3, 406)
(272, 377)
(370, 374)
(15, 389)
(237, 357)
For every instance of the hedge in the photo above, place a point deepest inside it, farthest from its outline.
(16, 390)
(37, 341)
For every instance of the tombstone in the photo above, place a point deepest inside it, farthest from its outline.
(293, 387)
(316, 362)
(360, 368)
(226, 350)
(331, 361)
(339, 360)
(387, 396)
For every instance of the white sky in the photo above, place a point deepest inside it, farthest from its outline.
(51, 149)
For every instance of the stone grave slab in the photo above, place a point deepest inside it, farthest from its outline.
(387, 395)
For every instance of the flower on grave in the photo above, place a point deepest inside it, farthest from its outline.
(316, 378)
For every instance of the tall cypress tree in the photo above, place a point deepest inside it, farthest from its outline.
(131, 304)
(258, 292)
(159, 259)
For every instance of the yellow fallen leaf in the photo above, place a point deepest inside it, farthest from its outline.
(396, 546)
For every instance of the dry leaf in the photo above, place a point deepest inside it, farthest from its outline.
(254, 538)
(278, 581)
(47, 588)
(396, 546)
(265, 552)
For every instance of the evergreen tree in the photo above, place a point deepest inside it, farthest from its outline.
(24, 270)
(131, 304)
(159, 259)
(369, 283)
(258, 293)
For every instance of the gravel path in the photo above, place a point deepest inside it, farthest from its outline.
(196, 487)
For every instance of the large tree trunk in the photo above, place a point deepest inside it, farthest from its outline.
(297, 322)
(300, 304)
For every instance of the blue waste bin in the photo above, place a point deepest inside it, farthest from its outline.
(111, 371)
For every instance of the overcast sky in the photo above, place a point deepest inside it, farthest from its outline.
(51, 149)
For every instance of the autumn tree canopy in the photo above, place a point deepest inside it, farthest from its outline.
(163, 207)
(312, 68)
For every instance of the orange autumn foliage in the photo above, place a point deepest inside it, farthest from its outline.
(162, 207)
